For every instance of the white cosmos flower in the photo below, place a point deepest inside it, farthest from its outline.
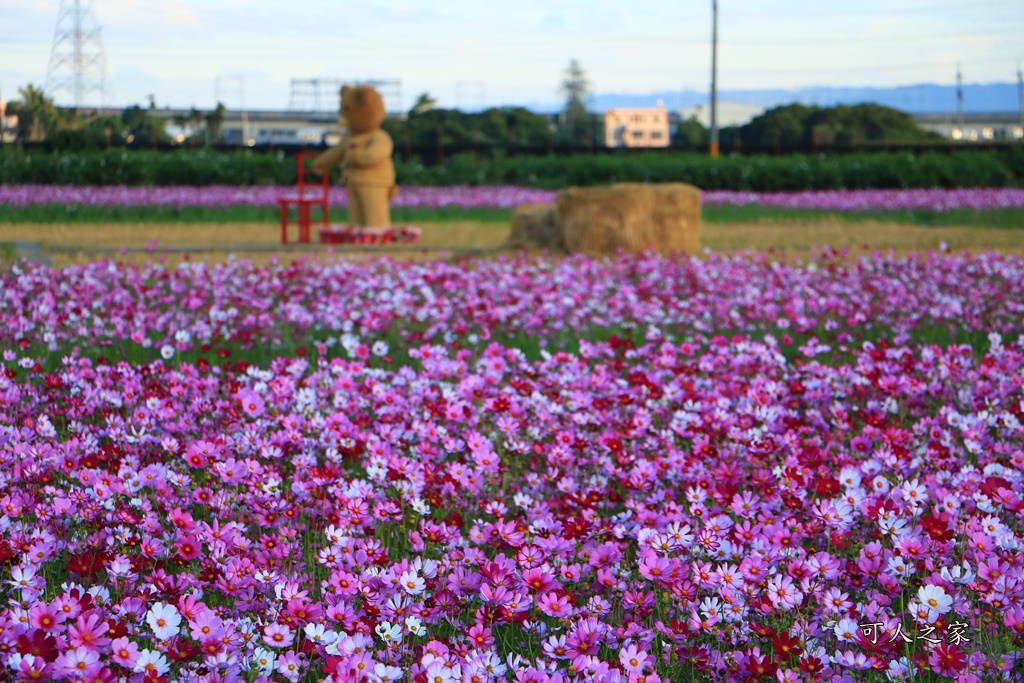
(265, 660)
(958, 574)
(164, 620)
(934, 599)
(388, 632)
(415, 626)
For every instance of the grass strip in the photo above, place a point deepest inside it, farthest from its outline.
(751, 213)
(60, 213)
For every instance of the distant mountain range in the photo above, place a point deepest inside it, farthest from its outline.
(926, 98)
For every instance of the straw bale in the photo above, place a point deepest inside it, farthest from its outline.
(676, 218)
(534, 224)
(531, 223)
(630, 216)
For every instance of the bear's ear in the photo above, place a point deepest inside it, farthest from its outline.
(344, 90)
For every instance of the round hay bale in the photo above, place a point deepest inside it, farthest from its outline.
(676, 218)
(630, 216)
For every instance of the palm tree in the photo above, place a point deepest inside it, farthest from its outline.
(36, 113)
(423, 103)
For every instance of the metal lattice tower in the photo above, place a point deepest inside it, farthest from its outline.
(77, 61)
(321, 94)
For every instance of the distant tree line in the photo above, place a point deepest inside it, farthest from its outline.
(427, 127)
(801, 126)
(63, 128)
(504, 127)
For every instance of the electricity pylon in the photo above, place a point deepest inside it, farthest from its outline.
(77, 61)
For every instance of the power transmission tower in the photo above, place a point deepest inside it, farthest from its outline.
(77, 61)
(321, 94)
(390, 90)
(314, 94)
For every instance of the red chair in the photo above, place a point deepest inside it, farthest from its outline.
(308, 194)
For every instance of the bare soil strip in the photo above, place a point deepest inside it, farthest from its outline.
(65, 243)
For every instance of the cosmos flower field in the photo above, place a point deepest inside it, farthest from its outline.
(503, 197)
(638, 469)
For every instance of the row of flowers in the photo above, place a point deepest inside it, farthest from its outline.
(505, 197)
(834, 299)
(655, 513)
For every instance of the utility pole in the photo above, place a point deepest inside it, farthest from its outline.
(713, 148)
(1020, 97)
(960, 101)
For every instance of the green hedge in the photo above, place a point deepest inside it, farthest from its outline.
(1004, 167)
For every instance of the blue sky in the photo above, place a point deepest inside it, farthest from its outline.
(484, 53)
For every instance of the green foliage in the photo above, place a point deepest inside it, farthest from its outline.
(754, 173)
(61, 213)
(141, 127)
(760, 174)
(797, 125)
(690, 134)
(503, 126)
(37, 115)
(578, 121)
(121, 166)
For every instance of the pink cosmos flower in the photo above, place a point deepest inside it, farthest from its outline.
(206, 625)
(45, 617)
(554, 605)
(783, 593)
(633, 659)
(88, 632)
(439, 672)
(278, 635)
(291, 665)
(124, 652)
(31, 667)
(189, 547)
(947, 660)
(80, 662)
(252, 403)
(540, 579)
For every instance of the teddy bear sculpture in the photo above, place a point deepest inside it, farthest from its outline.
(365, 155)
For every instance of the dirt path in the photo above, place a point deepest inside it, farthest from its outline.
(67, 243)
(859, 237)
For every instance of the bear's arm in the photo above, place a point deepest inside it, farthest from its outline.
(378, 148)
(335, 155)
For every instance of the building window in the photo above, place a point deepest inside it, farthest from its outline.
(656, 134)
(638, 133)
